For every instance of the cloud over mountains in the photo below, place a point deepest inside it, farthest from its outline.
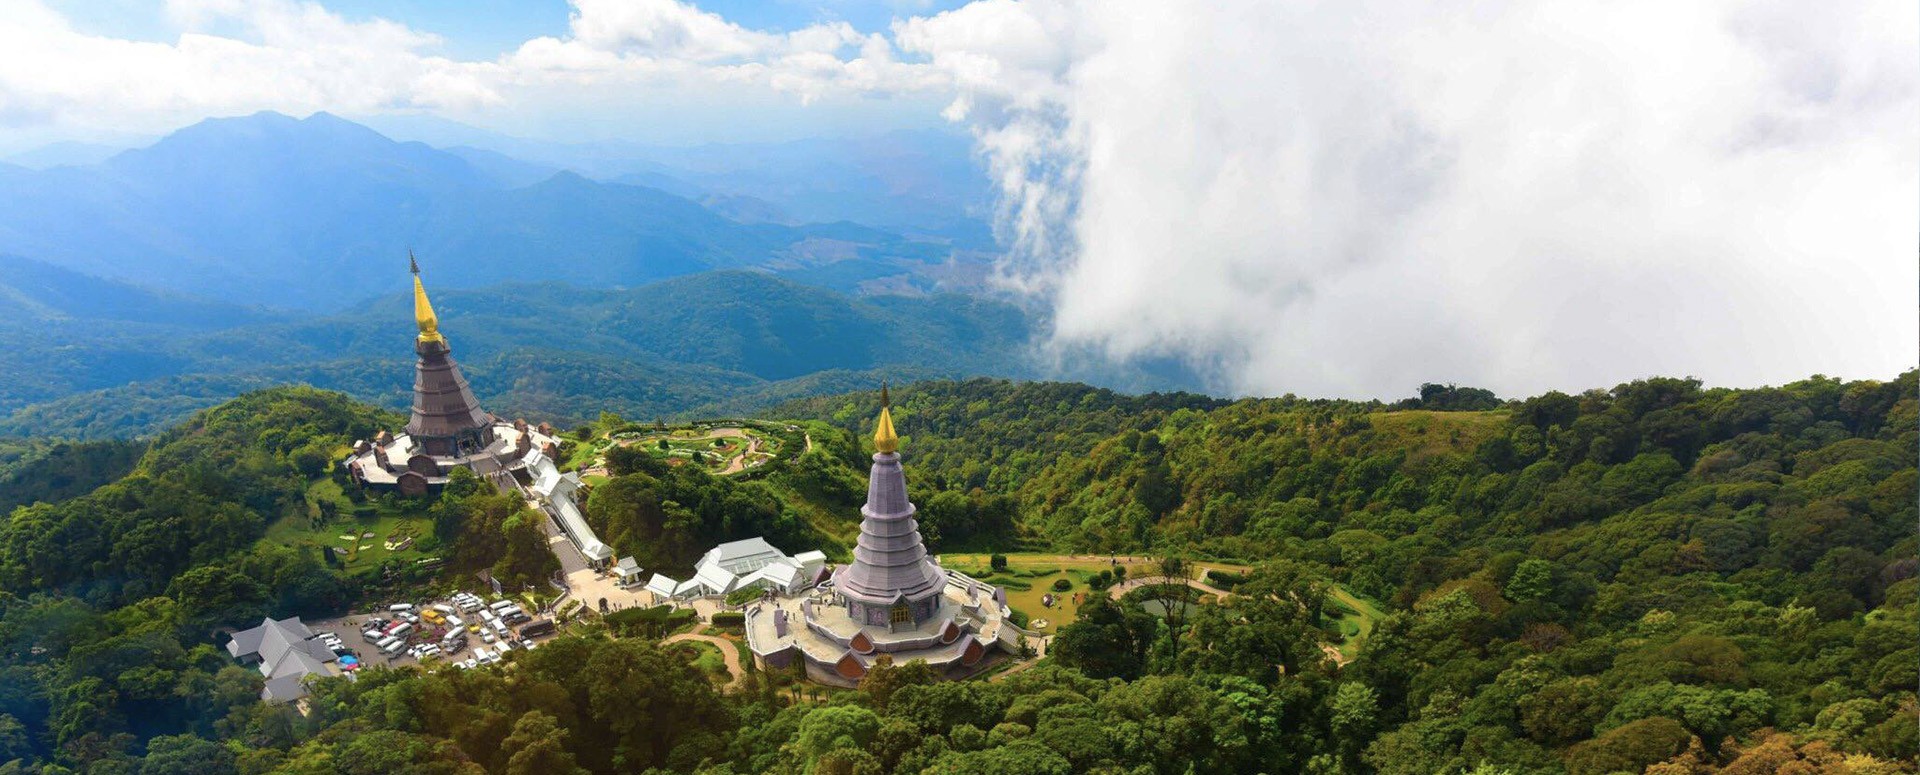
(1327, 199)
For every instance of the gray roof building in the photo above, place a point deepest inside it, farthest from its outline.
(286, 652)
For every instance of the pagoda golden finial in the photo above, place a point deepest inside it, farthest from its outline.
(884, 439)
(423, 309)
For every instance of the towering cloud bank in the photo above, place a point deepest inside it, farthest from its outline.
(1351, 198)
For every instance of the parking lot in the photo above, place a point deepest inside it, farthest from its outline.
(464, 630)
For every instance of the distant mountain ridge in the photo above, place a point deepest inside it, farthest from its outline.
(313, 212)
(734, 339)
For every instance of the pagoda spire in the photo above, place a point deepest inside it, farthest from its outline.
(891, 583)
(884, 439)
(422, 308)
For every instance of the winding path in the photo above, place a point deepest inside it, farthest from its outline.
(728, 654)
(1120, 590)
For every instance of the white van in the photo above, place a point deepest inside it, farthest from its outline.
(501, 605)
(455, 622)
(395, 646)
(387, 642)
(500, 627)
(443, 608)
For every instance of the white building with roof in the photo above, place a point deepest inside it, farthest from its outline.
(558, 494)
(286, 652)
(736, 565)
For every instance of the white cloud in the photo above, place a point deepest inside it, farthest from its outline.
(1352, 198)
(1323, 198)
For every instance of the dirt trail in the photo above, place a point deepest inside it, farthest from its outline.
(728, 653)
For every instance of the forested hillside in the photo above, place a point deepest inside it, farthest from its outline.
(1655, 578)
(1582, 581)
(543, 351)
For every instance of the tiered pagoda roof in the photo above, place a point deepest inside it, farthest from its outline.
(447, 420)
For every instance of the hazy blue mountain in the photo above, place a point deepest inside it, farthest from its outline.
(912, 181)
(38, 292)
(315, 212)
(65, 153)
(923, 181)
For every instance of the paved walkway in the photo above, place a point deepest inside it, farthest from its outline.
(1120, 590)
(1039, 646)
(728, 653)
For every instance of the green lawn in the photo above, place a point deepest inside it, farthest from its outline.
(298, 529)
(1029, 576)
(718, 452)
(708, 659)
(1358, 625)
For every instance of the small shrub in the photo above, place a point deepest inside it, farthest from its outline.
(1224, 579)
(998, 562)
(745, 595)
(730, 619)
(1119, 573)
(1100, 580)
(1062, 585)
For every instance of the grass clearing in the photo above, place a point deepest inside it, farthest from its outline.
(1357, 622)
(307, 529)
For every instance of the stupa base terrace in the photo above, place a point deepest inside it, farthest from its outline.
(395, 463)
(967, 627)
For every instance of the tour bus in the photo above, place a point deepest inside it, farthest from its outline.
(400, 607)
(500, 606)
(537, 628)
(455, 622)
(400, 630)
(387, 641)
(395, 646)
(443, 608)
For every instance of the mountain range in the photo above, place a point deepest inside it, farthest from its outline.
(310, 213)
(244, 252)
(141, 359)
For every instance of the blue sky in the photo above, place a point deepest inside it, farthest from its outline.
(484, 29)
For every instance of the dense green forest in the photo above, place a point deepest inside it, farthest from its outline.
(1656, 578)
(546, 351)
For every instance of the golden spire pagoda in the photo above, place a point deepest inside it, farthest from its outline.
(884, 439)
(423, 309)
